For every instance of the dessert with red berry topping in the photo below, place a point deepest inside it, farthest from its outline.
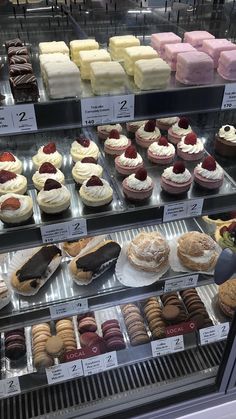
(176, 179)
(46, 171)
(116, 143)
(133, 126)
(190, 147)
(226, 236)
(10, 162)
(96, 192)
(12, 182)
(104, 130)
(166, 123)
(85, 168)
(161, 152)
(83, 147)
(47, 154)
(54, 197)
(15, 208)
(179, 130)
(208, 174)
(138, 186)
(128, 162)
(225, 143)
(147, 134)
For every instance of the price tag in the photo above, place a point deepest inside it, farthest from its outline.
(167, 346)
(229, 98)
(175, 211)
(208, 335)
(57, 373)
(96, 110)
(2, 390)
(100, 363)
(75, 368)
(173, 284)
(18, 118)
(123, 108)
(194, 207)
(68, 309)
(190, 281)
(223, 330)
(55, 232)
(109, 360)
(78, 228)
(11, 386)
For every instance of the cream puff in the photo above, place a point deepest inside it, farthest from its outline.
(15, 208)
(96, 192)
(47, 154)
(10, 162)
(46, 171)
(12, 182)
(54, 197)
(83, 147)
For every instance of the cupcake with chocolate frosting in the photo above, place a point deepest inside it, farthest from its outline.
(225, 143)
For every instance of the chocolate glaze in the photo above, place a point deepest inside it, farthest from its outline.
(18, 69)
(37, 265)
(94, 260)
(17, 51)
(19, 59)
(14, 43)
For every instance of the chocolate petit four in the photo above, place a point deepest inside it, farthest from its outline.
(17, 51)
(13, 43)
(19, 69)
(24, 88)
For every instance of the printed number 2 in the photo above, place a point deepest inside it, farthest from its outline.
(193, 207)
(123, 103)
(22, 116)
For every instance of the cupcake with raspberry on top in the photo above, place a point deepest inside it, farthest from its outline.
(116, 143)
(161, 152)
(178, 130)
(176, 179)
(209, 174)
(147, 134)
(190, 148)
(129, 161)
(138, 186)
(83, 147)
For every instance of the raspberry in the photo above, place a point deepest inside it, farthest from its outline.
(223, 230)
(94, 181)
(179, 167)
(51, 184)
(88, 160)
(232, 227)
(85, 142)
(6, 156)
(10, 204)
(5, 175)
(191, 138)
(47, 168)
(163, 141)
(141, 174)
(114, 134)
(209, 163)
(131, 152)
(150, 125)
(183, 123)
(49, 148)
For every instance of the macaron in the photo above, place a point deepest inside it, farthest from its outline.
(170, 313)
(43, 360)
(115, 343)
(139, 338)
(87, 324)
(15, 346)
(54, 346)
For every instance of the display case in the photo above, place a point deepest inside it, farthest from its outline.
(140, 361)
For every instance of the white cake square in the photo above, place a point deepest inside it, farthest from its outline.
(52, 47)
(151, 74)
(78, 45)
(133, 54)
(107, 78)
(58, 57)
(62, 80)
(118, 43)
(88, 57)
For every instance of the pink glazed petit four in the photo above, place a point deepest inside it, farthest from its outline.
(196, 38)
(194, 68)
(227, 65)
(159, 40)
(214, 47)
(172, 50)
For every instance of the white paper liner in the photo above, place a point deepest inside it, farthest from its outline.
(175, 263)
(129, 276)
(6, 299)
(20, 258)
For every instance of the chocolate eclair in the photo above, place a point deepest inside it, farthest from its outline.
(95, 262)
(35, 271)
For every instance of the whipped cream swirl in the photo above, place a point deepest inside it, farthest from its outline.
(126, 161)
(78, 149)
(14, 184)
(39, 179)
(189, 148)
(161, 150)
(54, 196)
(137, 184)
(154, 135)
(53, 158)
(176, 177)
(180, 131)
(12, 166)
(117, 142)
(25, 204)
(134, 125)
(210, 174)
(228, 135)
(168, 121)
(85, 170)
(97, 192)
(108, 128)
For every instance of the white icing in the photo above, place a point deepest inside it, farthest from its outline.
(210, 174)
(176, 177)
(54, 196)
(25, 203)
(77, 149)
(180, 131)
(189, 148)
(97, 192)
(53, 158)
(148, 135)
(12, 166)
(117, 142)
(126, 161)
(168, 121)
(228, 135)
(85, 170)
(40, 178)
(14, 184)
(137, 184)
(106, 129)
(161, 150)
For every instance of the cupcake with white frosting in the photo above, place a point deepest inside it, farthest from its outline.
(86, 168)
(116, 143)
(54, 197)
(104, 130)
(225, 143)
(129, 161)
(15, 208)
(47, 171)
(11, 182)
(165, 123)
(147, 134)
(138, 186)
(209, 174)
(176, 179)
(47, 153)
(161, 152)
(178, 130)
(96, 192)
(83, 147)
(190, 148)
(10, 162)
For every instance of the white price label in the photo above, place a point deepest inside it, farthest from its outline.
(123, 108)
(190, 281)
(99, 363)
(109, 360)
(229, 98)
(78, 228)
(167, 346)
(18, 118)
(174, 211)
(214, 333)
(57, 373)
(2, 390)
(68, 309)
(11, 386)
(223, 330)
(64, 231)
(194, 207)
(96, 110)
(75, 368)
(173, 284)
